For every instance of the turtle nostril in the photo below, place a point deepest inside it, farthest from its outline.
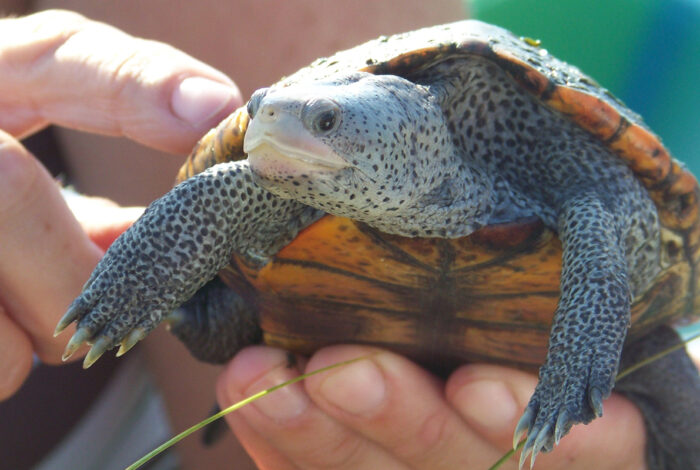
(267, 113)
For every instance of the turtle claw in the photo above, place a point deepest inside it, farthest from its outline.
(595, 399)
(73, 312)
(523, 426)
(523, 457)
(131, 339)
(540, 442)
(77, 340)
(536, 441)
(98, 349)
(562, 426)
(542, 435)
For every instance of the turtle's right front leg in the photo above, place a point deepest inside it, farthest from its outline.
(180, 242)
(589, 328)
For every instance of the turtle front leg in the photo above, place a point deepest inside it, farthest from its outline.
(589, 328)
(180, 242)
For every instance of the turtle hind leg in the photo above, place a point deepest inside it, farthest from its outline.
(216, 323)
(667, 392)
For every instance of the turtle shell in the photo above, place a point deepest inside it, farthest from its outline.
(488, 296)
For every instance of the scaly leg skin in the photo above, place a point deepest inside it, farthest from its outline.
(589, 327)
(180, 242)
(215, 323)
(667, 392)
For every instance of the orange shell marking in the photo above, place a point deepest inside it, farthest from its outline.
(490, 296)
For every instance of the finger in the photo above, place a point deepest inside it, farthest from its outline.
(398, 405)
(15, 356)
(59, 67)
(101, 219)
(45, 256)
(256, 445)
(492, 398)
(285, 429)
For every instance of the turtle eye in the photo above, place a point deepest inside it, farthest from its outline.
(321, 116)
(254, 101)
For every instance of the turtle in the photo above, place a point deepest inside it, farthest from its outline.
(454, 193)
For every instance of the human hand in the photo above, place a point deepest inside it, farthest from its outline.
(386, 412)
(58, 67)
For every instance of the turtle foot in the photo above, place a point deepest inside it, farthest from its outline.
(116, 308)
(179, 244)
(555, 408)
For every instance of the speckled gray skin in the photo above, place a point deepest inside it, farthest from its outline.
(395, 175)
(179, 243)
(440, 154)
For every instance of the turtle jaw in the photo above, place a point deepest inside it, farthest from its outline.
(280, 146)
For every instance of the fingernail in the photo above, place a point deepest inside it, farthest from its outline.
(197, 100)
(285, 403)
(358, 388)
(488, 403)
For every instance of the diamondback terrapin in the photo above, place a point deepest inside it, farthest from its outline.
(454, 193)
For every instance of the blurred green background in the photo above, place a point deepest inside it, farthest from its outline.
(646, 52)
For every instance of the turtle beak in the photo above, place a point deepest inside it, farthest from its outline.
(276, 132)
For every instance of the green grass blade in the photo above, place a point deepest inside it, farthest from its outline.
(171, 442)
(656, 356)
(507, 456)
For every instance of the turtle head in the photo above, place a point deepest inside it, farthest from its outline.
(374, 148)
